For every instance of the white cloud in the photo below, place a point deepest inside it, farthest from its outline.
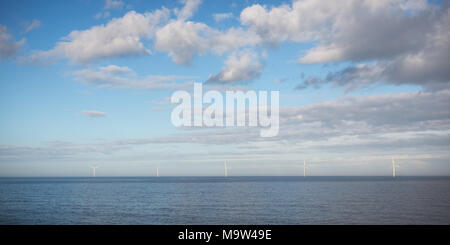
(374, 124)
(103, 15)
(232, 40)
(113, 76)
(240, 66)
(280, 80)
(301, 22)
(222, 16)
(182, 40)
(185, 39)
(93, 113)
(380, 34)
(393, 110)
(406, 123)
(408, 39)
(33, 25)
(188, 10)
(113, 4)
(426, 67)
(119, 37)
(355, 30)
(109, 5)
(8, 47)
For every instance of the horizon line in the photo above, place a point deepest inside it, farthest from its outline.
(221, 176)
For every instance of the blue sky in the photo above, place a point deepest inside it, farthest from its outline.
(87, 82)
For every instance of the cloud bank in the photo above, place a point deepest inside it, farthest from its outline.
(93, 113)
(8, 47)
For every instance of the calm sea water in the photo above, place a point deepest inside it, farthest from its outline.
(233, 200)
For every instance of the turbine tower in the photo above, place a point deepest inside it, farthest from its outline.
(226, 169)
(93, 170)
(394, 166)
(304, 168)
(157, 172)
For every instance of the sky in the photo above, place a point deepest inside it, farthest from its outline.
(88, 83)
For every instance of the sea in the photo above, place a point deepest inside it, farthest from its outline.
(220, 200)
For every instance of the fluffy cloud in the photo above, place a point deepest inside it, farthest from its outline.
(409, 40)
(103, 15)
(120, 37)
(8, 47)
(113, 76)
(428, 70)
(415, 122)
(188, 10)
(182, 40)
(113, 4)
(33, 25)
(185, 39)
(109, 5)
(349, 29)
(93, 113)
(365, 32)
(351, 78)
(303, 21)
(222, 16)
(402, 109)
(240, 66)
(400, 41)
(405, 120)
(426, 67)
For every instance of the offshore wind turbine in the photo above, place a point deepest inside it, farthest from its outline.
(394, 165)
(393, 168)
(226, 168)
(93, 170)
(157, 172)
(304, 168)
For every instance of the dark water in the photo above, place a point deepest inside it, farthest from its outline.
(233, 200)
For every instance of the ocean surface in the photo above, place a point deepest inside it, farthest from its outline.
(219, 200)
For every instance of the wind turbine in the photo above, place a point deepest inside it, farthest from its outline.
(226, 168)
(394, 165)
(93, 170)
(157, 172)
